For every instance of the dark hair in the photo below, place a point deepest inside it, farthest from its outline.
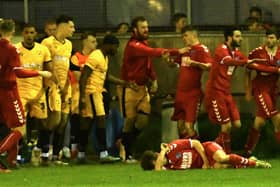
(135, 21)
(148, 159)
(86, 34)
(178, 16)
(274, 31)
(63, 19)
(256, 9)
(7, 25)
(122, 23)
(28, 25)
(229, 32)
(50, 22)
(188, 28)
(110, 39)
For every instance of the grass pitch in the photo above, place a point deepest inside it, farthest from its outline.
(120, 174)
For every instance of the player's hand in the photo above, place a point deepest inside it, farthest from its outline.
(154, 87)
(164, 147)
(184, 50)
(186, 61)
(132, 85)
(165, 54)
(45, 74)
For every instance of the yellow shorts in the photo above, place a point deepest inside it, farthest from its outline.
(57, 101)
(94, 105)
(133, 102)
(75, 99)
(36, 107)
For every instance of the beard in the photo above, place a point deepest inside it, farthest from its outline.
(235, 44)
(141, 37)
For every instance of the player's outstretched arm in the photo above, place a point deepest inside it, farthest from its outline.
(161, 157)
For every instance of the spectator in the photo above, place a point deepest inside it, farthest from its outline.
(122, 28)
(180, 21)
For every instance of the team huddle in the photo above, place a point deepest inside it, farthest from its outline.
(52, 86)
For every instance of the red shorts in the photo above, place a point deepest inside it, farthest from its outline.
(210, 148)
(221, 107)
(266, 103)
(11, 109)
(186, 106)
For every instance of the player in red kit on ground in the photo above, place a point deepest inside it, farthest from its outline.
(264, 87)
(11, 109)
(187, 154)
(189, 92)
(219, 102)
(137, 67)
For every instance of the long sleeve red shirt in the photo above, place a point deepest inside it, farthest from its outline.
(137, 63)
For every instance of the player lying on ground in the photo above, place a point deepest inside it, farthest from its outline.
(187, 153)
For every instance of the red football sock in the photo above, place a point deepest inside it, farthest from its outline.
(253, 139)
(224, 140)
(9, 141)
(237, 160)
(277, 137)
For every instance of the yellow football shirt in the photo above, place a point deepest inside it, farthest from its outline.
(32, 59)
(99, 65)
(60, 53)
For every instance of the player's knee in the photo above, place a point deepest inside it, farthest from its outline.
(237, 124)
(141, 120)
(259, 122)
(220, 156)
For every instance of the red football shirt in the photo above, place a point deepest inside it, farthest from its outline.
(224, 64)
(189, 76)
(137, 63)
(9, 59)
(267, 72)
(182, 155)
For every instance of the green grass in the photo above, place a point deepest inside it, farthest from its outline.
(132, 175)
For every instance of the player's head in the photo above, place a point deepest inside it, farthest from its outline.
(65, 25)
(50, 27)
(122, 28)
(180, 21)
(7, 28)
(110, 44)
(272, 36)
(29, 33)
(140, 27)
(148, 160)
(254, 24)
(256, 12)
(233, 37)
(190, 35)
(89, 40)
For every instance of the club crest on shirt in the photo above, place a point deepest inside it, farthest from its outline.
(278, 63)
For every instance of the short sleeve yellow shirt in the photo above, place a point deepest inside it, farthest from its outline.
(32, 59)
(99, 65)
(61, 54)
